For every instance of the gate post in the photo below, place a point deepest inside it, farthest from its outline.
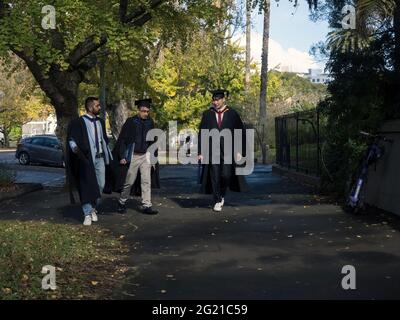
(297, 141)
(318, 147)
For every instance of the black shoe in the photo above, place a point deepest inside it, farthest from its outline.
(121, 208)
(149, 210)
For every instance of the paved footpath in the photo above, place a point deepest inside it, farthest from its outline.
(278, 241)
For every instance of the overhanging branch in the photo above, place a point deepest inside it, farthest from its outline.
(33, 66)
(139, 16)
(85, 48)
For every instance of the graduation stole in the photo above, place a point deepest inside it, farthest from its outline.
(219, 115)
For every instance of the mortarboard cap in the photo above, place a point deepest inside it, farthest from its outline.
(143, 103)
(220, 93)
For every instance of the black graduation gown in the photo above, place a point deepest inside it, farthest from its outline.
(117, 175)
(231, 121)
(80, 169)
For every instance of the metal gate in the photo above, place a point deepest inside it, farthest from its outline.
(298, 141)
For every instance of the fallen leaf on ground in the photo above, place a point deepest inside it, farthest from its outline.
(6, 290)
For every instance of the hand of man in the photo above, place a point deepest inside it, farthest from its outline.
(123, 161)
(238, 157)
(200, 157)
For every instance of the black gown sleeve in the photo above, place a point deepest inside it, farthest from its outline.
(123, 136)
(73, 133)
(201, 126)
(240, 125)
(152, 126)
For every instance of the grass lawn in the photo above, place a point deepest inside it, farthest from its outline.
(88, 261)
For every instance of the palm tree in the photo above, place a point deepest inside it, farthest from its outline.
(264, 80)
(265, 6)
(371, 16)
(248, 44)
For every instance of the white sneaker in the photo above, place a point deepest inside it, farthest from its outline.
(222, 202)
(94, 216)
(218, 207)
(88, 220)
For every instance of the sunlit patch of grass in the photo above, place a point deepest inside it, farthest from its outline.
(88, 260)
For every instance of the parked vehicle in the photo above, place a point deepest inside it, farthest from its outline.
(43, 149)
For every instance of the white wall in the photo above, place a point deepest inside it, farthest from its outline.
(383, 185)
(47, 126)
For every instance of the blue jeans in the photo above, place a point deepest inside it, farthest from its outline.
(100, 170)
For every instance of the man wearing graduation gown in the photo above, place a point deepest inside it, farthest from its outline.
(88, 155)
(132, 167)
(216, 178)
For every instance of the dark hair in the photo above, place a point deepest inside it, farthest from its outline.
(89, 101)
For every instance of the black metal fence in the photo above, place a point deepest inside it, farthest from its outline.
(298, 141)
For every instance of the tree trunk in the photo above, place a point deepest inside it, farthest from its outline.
(6, 134)
(396, 25)
(248, 45)
(118, 112)
(102, 66)
(63, 120)
(264, 79)
(61, 87)
(65, 102)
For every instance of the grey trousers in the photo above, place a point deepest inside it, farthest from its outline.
(142, 163)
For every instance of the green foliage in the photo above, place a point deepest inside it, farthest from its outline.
(180, 81)
(22, 101)
(361, 96)
(16, 133)
(75, 20)
(355, 104)
(287, 93)
(125, 46)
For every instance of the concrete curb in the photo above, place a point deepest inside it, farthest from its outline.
(19, 167)
(24, 188)
(297, 176)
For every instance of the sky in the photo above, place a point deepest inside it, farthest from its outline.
(291, 36)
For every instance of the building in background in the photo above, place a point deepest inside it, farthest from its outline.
(46, 126)
(316, 76)
(313, 75)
